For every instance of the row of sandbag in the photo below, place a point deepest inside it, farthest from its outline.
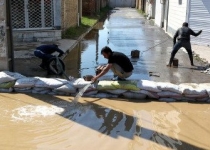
(143, 89)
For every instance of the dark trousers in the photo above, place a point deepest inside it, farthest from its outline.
(177, 46)
(43, 56)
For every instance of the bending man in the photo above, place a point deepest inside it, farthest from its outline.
(118, 62)
(45, 53)
(183, 36)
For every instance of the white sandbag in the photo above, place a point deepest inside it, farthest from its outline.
(168, 94)
(23, 90)
(50, 82)
(185, 99)
(148, 86)
(105, 95)
(148, 93)
(5, 77)
(202, 99)
(205, 86)
(45, 91)
(117, 92)
(80, 83)
(166, 86)
(14, 74)
(25, 82)
(167, 100)
(38, 89)
(196, 96)
(89, 94)
(67, 88)
(192, 89)
(6, 90)
(134, 95)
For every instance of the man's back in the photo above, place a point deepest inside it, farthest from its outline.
(47, 49)
(122, 60)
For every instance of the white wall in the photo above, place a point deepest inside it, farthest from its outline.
(158, 13)
(176, 15)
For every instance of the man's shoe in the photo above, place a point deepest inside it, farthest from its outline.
(168, 65)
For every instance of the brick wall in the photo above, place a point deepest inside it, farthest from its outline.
(69, 13)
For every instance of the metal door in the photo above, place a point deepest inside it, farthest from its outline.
(32, 14)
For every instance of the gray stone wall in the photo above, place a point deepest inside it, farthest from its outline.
(3, 41)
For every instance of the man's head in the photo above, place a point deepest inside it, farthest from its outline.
(106, 52)
(185, 24)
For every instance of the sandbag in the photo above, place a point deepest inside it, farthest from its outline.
(14, 75)
(196, 96)
(90, 94)
(185, 99)
(39, 89)
(167, 100)
(132, 95)
(50, 82)
(7, 85)
(80, 83)
(5, 78)
(115, 85)
(25, 82)
(117, 92)
(45, 91)
(6, 90)
(202, 99)
(205, 86)
(105, 95)
(148, 86)
(168, 94)
(67, 88)
(192, 89)
(23, 90)
(148, 93)
(166, 86)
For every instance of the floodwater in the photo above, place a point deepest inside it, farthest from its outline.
(125, 30)
(45, 122)
(56, 123)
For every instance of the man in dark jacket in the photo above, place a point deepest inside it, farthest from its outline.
(183, 36)
(118, 62)
(45, 53)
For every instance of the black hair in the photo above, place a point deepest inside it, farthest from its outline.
(185, 24)
(106, 50)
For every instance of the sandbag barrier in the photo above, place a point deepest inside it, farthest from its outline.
(139, 90)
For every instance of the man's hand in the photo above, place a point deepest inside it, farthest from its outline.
(94, 79)
(200, 31)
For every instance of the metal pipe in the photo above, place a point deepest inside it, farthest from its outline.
(10, 49)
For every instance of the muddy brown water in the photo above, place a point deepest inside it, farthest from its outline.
(52, 123)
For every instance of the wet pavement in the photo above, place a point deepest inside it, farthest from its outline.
(48, 122)
(126, 30)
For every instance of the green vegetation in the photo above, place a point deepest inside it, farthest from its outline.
(86, 23)
(142, 12)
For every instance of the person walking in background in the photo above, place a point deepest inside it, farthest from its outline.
(44, 52)
(182, 39)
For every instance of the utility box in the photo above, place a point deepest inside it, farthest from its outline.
(135, 54)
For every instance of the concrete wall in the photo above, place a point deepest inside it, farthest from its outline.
(158, 14)
(176, 15)
(3, 38)
(69, 13)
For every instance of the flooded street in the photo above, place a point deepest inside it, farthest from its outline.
(46, 122)
(125, 30)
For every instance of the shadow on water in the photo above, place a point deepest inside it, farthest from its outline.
(113, 123)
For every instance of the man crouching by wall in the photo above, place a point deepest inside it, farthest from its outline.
(118, 62)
